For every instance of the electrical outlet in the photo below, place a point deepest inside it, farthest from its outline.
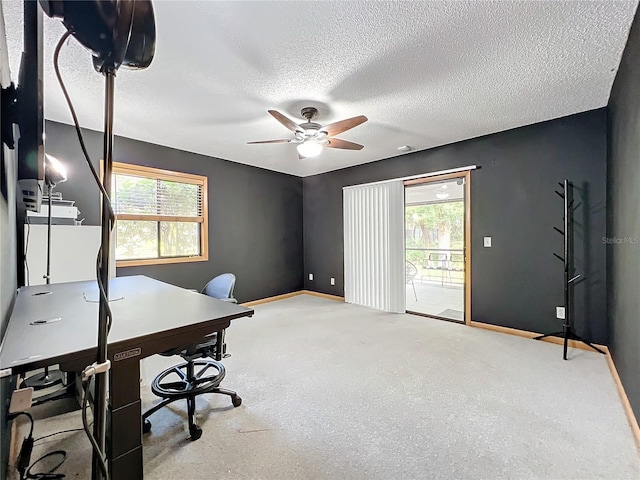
(333, 281)
(560, 313)
(21, 400)
(487, 242)
(311, 276)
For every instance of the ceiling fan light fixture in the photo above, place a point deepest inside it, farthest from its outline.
(309, 149)
(442, 192)
(310, 137)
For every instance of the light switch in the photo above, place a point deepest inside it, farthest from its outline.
(311, 276)
(487, 241)
(333, 281)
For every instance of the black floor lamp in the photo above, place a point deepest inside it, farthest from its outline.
(118, 33)
(54, 173)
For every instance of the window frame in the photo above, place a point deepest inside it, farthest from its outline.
(119, 168)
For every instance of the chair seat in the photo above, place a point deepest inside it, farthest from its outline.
(201, 349)
(174, 382)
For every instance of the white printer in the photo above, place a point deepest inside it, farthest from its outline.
(63, 212)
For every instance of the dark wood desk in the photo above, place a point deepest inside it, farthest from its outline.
(149, 317)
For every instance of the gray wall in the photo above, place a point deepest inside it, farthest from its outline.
(518, 282)
(624, 219)
(255, 215)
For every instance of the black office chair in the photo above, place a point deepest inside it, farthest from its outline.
(202, 371)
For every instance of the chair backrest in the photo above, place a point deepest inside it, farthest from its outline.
(437, 257)
(220, 287)
(411, 271)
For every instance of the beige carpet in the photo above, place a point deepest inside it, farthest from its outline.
(336, 391)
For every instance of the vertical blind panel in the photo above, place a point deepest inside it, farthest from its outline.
(373, 246)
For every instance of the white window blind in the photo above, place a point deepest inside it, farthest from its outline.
(374, 245)
(150, 196)
(161, 216)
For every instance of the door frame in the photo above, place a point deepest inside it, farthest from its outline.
(466, 174)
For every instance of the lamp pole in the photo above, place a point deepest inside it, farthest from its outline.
(47, 378)
(99, 421)
(118, 32)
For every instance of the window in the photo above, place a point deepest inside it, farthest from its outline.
(161, 216)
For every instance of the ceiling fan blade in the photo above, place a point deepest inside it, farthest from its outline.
(337, 143)
(343, 125)
(282, 140)
(287, 122)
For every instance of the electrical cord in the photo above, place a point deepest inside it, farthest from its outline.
(24, 414)
(85, 425)
(24, 457)
(76, 123)
(105, 195)
(25, 466)
(106, 201)
(71, 430)
(50, 475)
(103, 293)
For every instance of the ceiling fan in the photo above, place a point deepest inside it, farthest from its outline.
(310, 137)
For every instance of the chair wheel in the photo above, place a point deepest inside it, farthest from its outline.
(146, 426)
(195, 432)
(236, 401)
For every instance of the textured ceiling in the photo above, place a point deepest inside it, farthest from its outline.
(424, 73)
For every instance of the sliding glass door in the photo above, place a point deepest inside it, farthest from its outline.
(435, 247)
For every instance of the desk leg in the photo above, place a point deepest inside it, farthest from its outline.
(124, 435)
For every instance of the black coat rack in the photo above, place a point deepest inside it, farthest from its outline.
(569, 278)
